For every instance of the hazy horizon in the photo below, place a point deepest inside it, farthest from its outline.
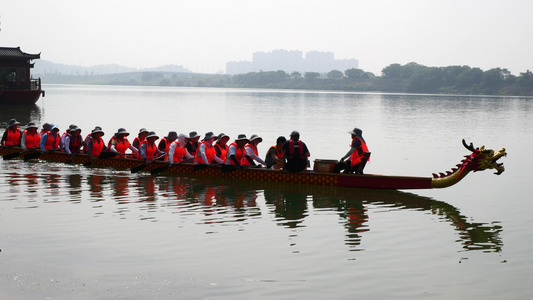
(203, 36)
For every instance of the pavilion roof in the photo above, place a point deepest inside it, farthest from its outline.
(16, 53)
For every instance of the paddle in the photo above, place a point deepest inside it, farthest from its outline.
(102, 155)
(161, 169)
(11, 155)
(32, 155)
(140, 167)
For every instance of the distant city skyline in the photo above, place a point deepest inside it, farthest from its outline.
(291, 61)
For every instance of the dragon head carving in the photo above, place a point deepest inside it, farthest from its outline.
(483, 159)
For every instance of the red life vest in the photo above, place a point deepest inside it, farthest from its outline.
(244, 161)
(179, 152)
(75, 144)
(279, 153)
(86, 143)
(209, 153)
(13, 137)
(355, 157)
(97, 146)
(223, 150)
(52, 142)
(120, 145)
(32, 140)
(239, 153)
(300, 147)
(151, 150)
(137, 144)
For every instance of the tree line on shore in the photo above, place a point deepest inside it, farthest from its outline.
(395, 78)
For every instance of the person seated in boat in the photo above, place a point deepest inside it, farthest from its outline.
(141, 136)
(193, 143)
(165, 142)
(96, 144)
(274, 156)
(46, 127)
(358, 155)
(206, 152)
(252, 152)
(50, 140)
(221, 146)
(73, 141)
(119, 143)
(64, 135)
(31, 139)
(12, 136)
(236, 151)
(87, 138)
(148, 149)
(295, 154)
(177, 152)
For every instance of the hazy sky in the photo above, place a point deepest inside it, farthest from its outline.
(203, 35)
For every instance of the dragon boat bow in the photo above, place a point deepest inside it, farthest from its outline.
(480, 159)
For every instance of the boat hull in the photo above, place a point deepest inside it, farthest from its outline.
(25, 97)
(247, 174)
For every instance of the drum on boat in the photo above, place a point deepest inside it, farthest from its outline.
(324, 165)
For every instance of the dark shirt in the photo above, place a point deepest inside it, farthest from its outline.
(296, 163)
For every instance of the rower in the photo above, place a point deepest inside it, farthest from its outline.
(274, 156)
(30, 138)
(148, 149)
(177, 152)
(295, 154)
(141, 136)
(46, 127)
(12, 135)
(64, 135)
(358, 155)
(50, 140)
(96, 144)
(236, 151)
(192, 142)
(206, 152)
(73, 141)
(221, 146)
(88, 137)
(252, 152)
(119, 143)
(165, 142)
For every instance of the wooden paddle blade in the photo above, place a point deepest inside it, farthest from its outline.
(11, 155)
(199, 167)
(159, 170)
(138, 168)
(32, 155)
(228, 168)
(105, 155)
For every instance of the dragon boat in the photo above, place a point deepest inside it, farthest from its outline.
(479, 159)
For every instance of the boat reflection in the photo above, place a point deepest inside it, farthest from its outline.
(209, 201)
(22, 113)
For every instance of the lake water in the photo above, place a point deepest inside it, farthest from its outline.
(71, 232)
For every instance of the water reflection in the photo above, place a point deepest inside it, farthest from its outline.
(23, 113)
(204, 201)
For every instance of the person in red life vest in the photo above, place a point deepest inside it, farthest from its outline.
(50, 140)
(88, 137)
(358, 154)
(252, 152)
(12, 135)
(206, 152)
(96, 144)
(46, 127)
(295, 154)
(30, 138)
(73, 141)
(64, 135)
(221, 146)
(236, 151)
(141, 136)
(274, 156)
(177, 152)
(192, 143)
(165, 142)
(119, 143)
(148, 148)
